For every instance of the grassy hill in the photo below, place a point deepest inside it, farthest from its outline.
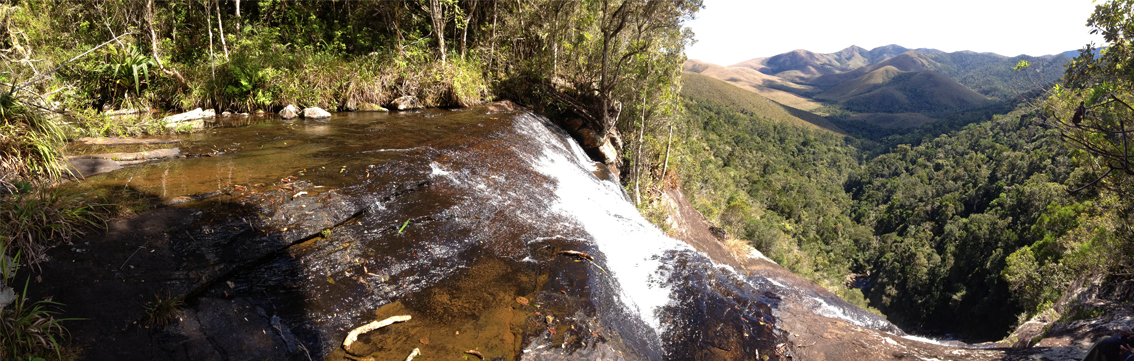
(768, 86)
(697, 86)
(891, 91)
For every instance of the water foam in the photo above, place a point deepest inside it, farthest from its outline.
(633, 246)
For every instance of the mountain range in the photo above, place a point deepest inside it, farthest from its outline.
(890, 86)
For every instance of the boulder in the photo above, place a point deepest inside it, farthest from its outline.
(183, 117)
(290, 111)
(190, 118)
(370, 107)
(609, 156)
(407, 102)
(503, 106)
(226, 114)
(315, 113)
(587, 137)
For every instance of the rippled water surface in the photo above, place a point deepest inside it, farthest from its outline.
(491, 230)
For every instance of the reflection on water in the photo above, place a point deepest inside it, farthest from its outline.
(254, 150)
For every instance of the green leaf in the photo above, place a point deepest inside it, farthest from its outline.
(403, 226)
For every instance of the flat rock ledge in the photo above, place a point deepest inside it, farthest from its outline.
(124, 141)
(89, 165)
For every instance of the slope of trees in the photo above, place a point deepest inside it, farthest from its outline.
(949, 214)
(774, 183)
(965, 233)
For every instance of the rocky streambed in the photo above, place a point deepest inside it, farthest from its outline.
(492, 231)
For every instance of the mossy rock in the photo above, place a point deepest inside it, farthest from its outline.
(370, 107)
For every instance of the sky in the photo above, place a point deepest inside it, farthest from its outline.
(731, 31)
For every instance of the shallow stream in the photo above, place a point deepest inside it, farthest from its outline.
(492, 230)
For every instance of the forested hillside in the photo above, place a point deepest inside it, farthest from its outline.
(949, 213)
(963, 234)
(774, 181)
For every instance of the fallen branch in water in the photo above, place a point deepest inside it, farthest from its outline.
(584, 256)
(353, 335)
(475, 353)
(578, 254)
(413, 354)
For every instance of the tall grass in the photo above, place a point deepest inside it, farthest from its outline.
(29, 143)
(34, 221)
(28, 330)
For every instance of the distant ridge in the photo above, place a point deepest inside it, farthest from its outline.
(769, 86)
(703, 87)
(799, 65)
(889, 87)
(906, 61)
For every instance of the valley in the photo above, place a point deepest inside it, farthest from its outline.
(918, 218)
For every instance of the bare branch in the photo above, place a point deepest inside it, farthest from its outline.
(41, 76)
(1076, 190)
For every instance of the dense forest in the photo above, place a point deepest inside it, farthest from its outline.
(968, 233)
(950, 214)
(776, 184)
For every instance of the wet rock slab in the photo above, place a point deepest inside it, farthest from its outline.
(124, 141)
(284, 273)
(453, 231)
(90, 165)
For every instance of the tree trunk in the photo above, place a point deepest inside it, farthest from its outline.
(238, 18)
(437, 14)
(638, 155)
(154, 42)
(492, 48)
(212, 63)
(153, 34)
(465, 33)
(220, 25)
(668, 143)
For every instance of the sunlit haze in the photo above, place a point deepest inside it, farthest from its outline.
(731, 31)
